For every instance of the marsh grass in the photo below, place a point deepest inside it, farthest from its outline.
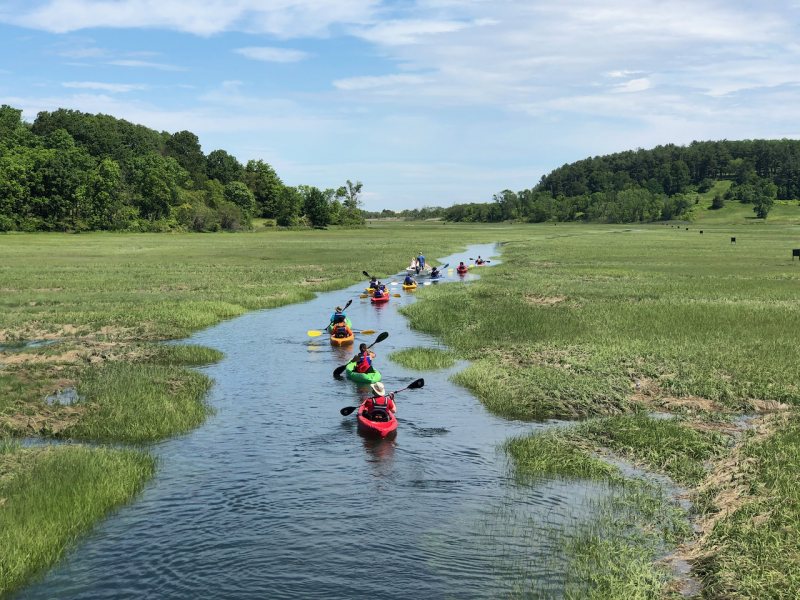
(424, 359)
(664, 445)
(51, 496)
(190, 355)
(134, 402)
(753, 553)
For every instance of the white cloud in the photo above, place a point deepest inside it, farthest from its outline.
(104, 87)
(270, 54)
(283, 18)
(633, 85)
(411, 31)
(382, 81)
(144, 64)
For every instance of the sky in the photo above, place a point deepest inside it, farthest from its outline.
(427, 102)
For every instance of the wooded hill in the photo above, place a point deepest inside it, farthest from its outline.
(73, 171)
(650, 185)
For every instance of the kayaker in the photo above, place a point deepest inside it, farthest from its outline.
(363, 360)
(338, 316)
(341, 330)
(462, 266)
(379, 291)
(409, 280)
(373, 283)
(479, 260)
(435, 272)
(421, 261)
(377, 407)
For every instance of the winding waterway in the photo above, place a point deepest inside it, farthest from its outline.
(278, 496)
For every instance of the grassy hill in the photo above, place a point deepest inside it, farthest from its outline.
(735, 213)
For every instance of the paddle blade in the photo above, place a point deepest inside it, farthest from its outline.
(415, 385)
(370, 276)
(367, 331)
(380, 338)
(397, 295)
(337, 372)
(347, 410)
(363, 296)
(313, 333)
(349, 302)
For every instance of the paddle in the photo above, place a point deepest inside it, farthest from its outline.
(440, 269)
(414, 385)
(337, 372)
(317, 333)
(483, 259)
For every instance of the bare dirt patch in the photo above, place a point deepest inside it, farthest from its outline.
(538, 300)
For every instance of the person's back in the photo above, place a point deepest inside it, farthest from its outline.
(379, 406)
(409, 280)
(421, 261)
(363, 359)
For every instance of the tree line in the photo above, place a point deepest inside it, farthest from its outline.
(73, 171)
(643, 185)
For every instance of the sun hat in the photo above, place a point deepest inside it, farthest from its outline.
(378, 388)
(338, 309)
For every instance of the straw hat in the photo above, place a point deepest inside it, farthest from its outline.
(378, 389)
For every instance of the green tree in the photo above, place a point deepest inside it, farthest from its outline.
(239, 194)
(266, 186)
(351, 211)
(223, 167)
(718, 202)
(184, 147)
(317, 208)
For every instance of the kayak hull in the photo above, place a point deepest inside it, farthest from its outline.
(376, 428)
(343, 341)
(381, 300)
(409, 288)
(353, 375)
(462, 271)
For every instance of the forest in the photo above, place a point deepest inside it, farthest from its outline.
(73, 171)
(649, 185)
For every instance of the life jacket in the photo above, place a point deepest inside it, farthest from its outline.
(373, 284)
(380, 406)
(378, 293)
(409, 281)
(338, 318)
(364, 362)
(341, 330)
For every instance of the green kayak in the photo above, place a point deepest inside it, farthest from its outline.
(352, 375)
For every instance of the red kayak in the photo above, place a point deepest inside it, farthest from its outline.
(384, 298)
(461, 271)
(376, 428)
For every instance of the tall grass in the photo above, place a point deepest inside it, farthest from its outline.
(54, 496)
(424, 359)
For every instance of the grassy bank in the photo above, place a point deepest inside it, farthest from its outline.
(50, 496)
(605, 323)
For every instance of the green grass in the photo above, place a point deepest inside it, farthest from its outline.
(183, 355)
(664, 445)
(424, 359)
(140, 402)
(783, 212)
(53, 497)
(554, 454)
(755, 550)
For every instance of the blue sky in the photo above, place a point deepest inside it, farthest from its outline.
(427, 102)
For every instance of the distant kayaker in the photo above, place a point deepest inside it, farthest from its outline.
(409, 280)
(379, 291)
(461, 266)
(378, 406)
(338, 316)
(373, 283)
(435, 272)
(363, 360)
(421, 261)
(479, 260)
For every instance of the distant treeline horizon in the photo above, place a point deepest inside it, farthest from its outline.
(74, 171)
(641, 185)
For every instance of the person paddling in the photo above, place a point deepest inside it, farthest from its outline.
(373, 283)
(435, 273)
(379, 291)
(409, 280)
(461, 267)
(338, 316)
(363, 360)
(378, 407)
(479, 260)
(341, 330)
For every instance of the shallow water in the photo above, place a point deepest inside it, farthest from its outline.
(277, 495)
